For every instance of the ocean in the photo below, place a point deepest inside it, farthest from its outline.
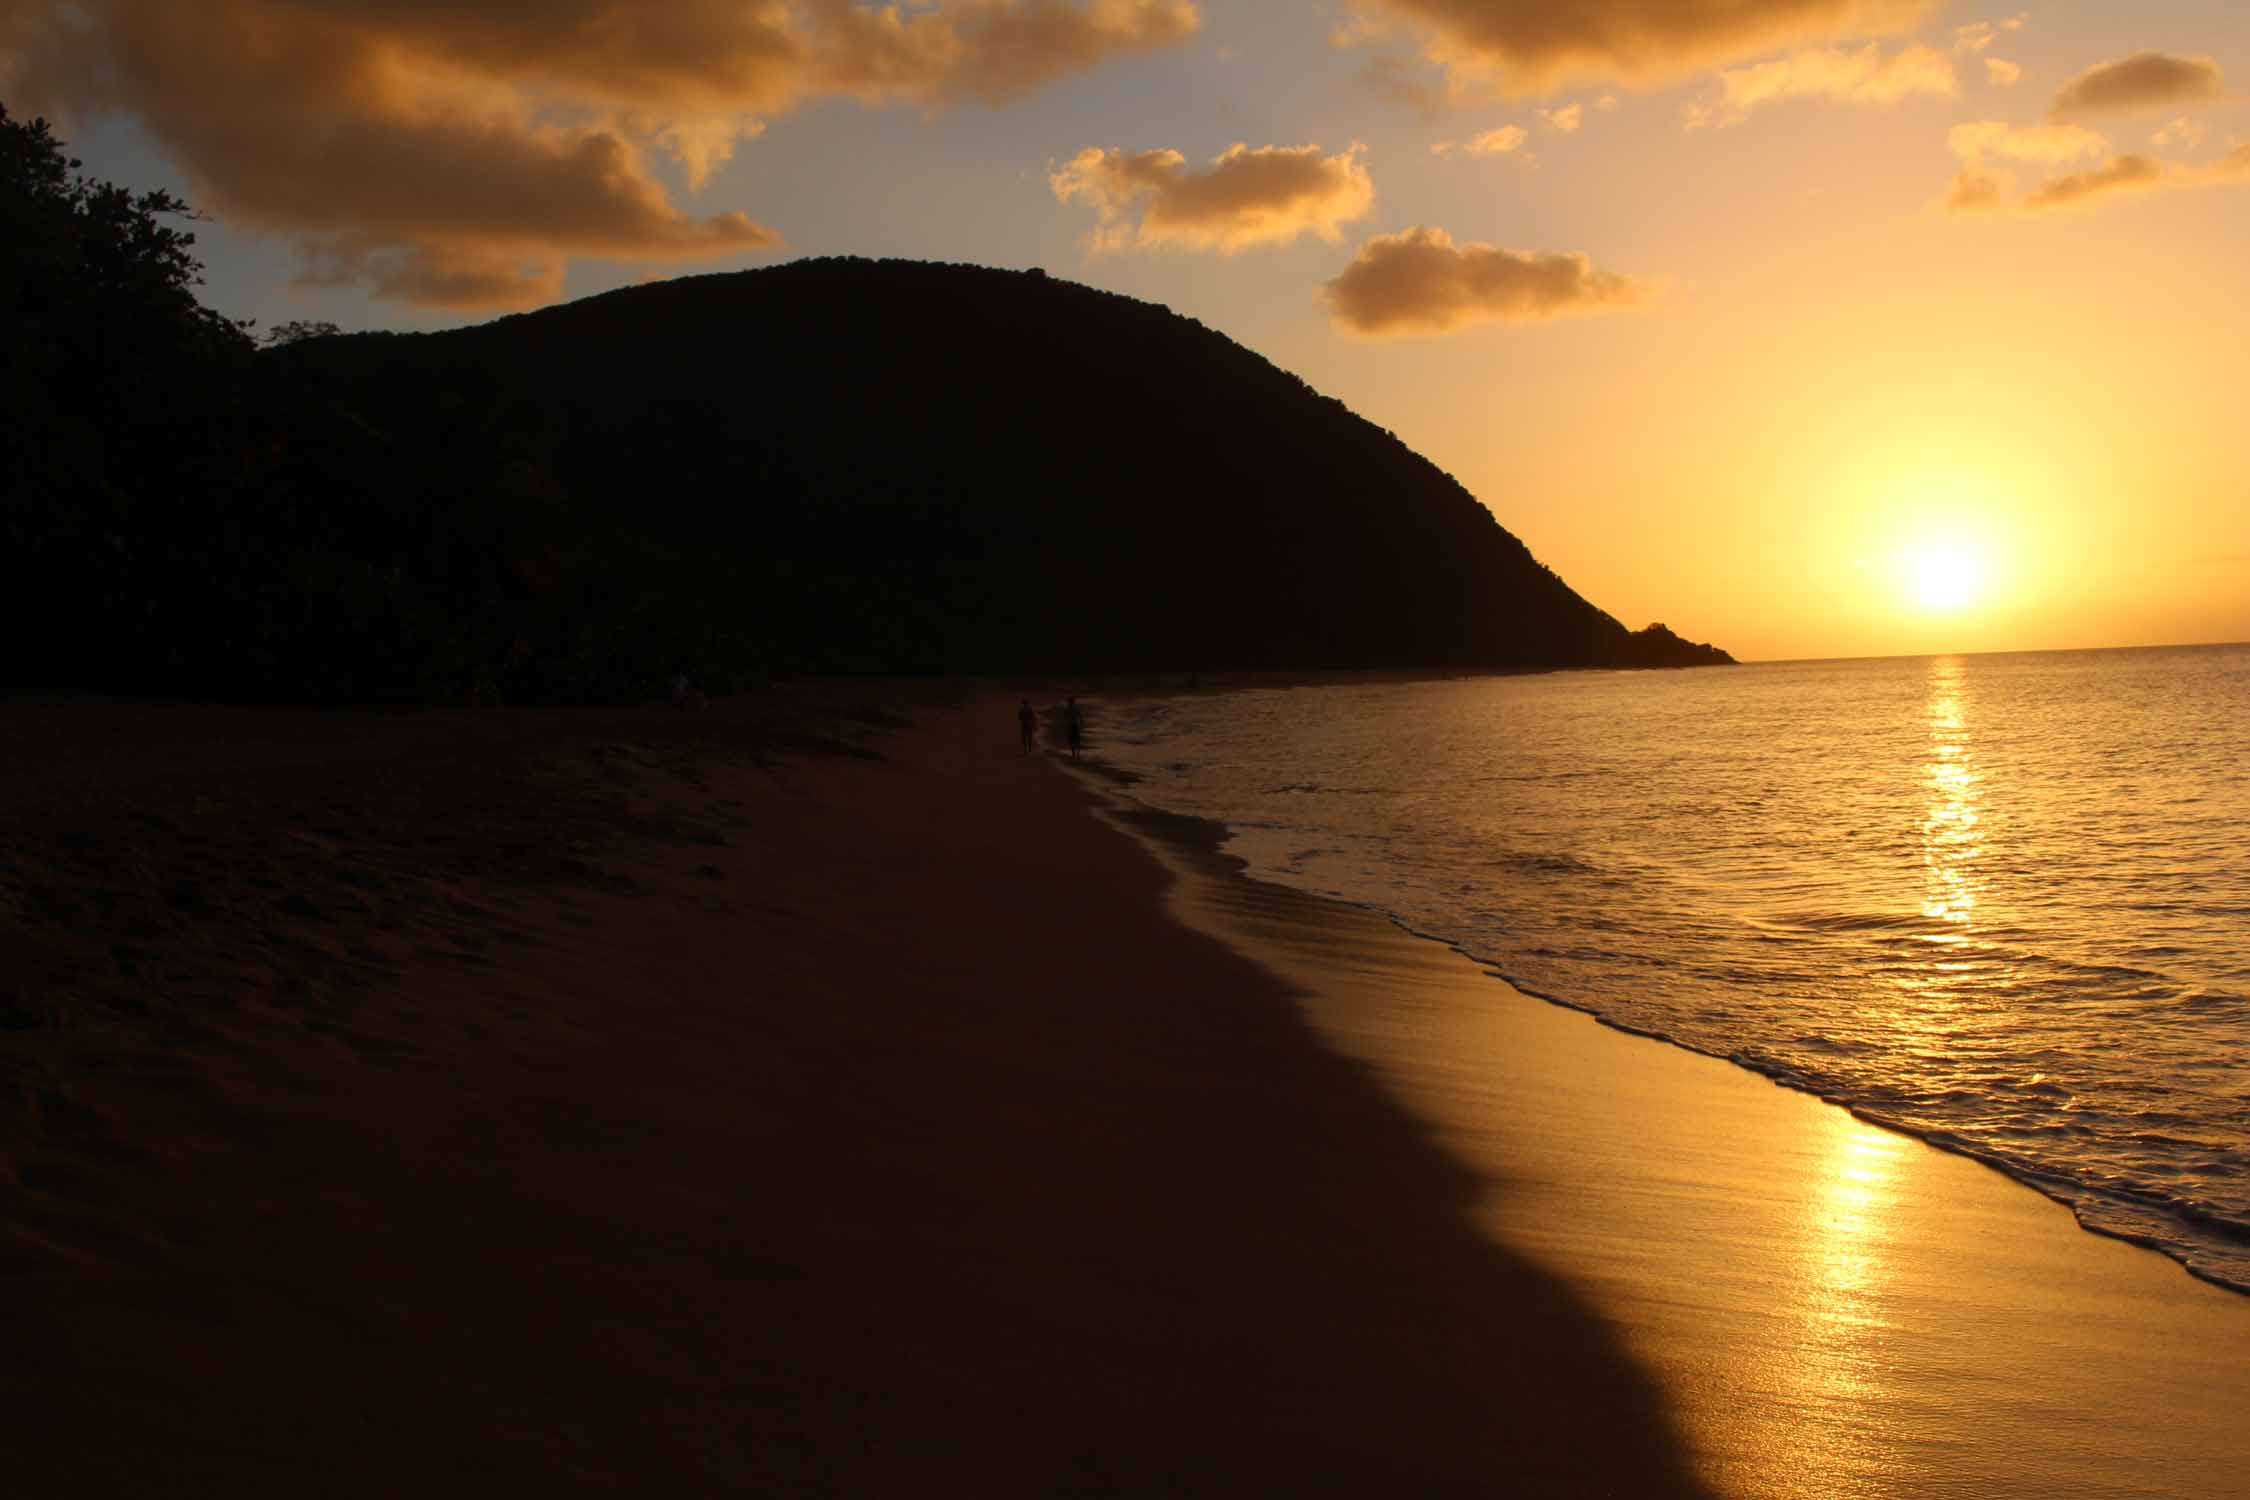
(2000, 902)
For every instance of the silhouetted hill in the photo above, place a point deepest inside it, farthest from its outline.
(844, 465)
(834, 466)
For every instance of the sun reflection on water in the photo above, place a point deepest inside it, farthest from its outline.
(1952, 836)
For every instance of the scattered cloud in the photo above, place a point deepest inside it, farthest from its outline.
(2182, 133)
(1523, 46)
(1861, 76)
(1978, 35)
(1404, 81)
(2050, 144)
(1246, 197)
(1975, 37)
(1977, 188)
(2001, 73)
(2127, 173)
(1501, 142)
(1566, 120)
(1421, 282)
(1980, 187)
(460, 154)
(2144, 81)
(1606, 103)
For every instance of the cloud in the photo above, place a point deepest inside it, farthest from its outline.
(2001, 73)
(1246, 197)
(1975, 37)
(2127, 173)
(459, 153)
(2182, 132)
(2144, 81)
(1864, 76)
(1528, 45)
(2118, 176)
(1566, 120)
(1978, 35)
(1420, 282)
(1979, 139)
(1501, 142)
(1977, 188)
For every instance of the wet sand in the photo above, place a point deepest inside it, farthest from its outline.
(776, 1101)
(1832, 1309)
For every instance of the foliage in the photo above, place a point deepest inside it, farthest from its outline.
(89, 258)
(297, 330)
(121, 398)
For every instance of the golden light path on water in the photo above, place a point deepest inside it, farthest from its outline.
(1842, 1368)
(1952, 829)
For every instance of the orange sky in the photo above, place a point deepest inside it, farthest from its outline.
(1812, 327)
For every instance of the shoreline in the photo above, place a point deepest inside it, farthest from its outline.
(797, 1098)
(2194, 1238)
(1836, 1306)
(1492, 969)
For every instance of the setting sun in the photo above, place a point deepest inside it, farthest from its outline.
(1944, 576)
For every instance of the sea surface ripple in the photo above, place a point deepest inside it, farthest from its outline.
(1999, 902)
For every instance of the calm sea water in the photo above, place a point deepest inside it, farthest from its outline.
(2000, 902)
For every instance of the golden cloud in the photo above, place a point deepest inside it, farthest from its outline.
(1975, 189)
(1420, 282)
(2144, 81)
(2182, 132)
(1528, 45)
(459, 152)
(2127, 173)
(2001, 73)
(2120, 175)
(1978, 35)
(1980, 139)
(1246, 197)
(1501, 142)
(1864, 76)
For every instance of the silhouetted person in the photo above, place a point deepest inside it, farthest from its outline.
(1074, 726)
(685, 694)
(1028, 722)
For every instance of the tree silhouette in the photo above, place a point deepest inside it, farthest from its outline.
(297, 330)
(79, 255)
(119, 395)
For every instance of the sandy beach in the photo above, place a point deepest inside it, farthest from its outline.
(819, 1096)
(700, 1103)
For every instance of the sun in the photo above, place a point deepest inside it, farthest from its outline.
(1944, 576)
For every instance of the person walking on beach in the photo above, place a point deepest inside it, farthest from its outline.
(1028, 722)
(1074, 725)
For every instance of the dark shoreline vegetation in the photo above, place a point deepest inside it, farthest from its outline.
(829, 467)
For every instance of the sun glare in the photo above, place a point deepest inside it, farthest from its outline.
(1944, 576)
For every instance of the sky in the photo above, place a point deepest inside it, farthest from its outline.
(1808, 327)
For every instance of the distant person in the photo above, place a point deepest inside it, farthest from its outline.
(1074, 726)
(1028, 722)
(685, 694)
